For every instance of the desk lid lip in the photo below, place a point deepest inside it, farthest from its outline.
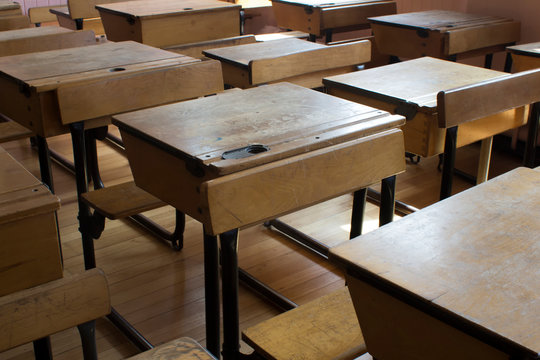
(9, 5)
(530, 49)
(375, 121)
(329, 3)
(113, 8)
(30, 201)
(62, 11)
(441, 27)
(34, 32)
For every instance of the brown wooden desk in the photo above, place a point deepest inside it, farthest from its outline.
(527, 57)
(293, 60)
(11, 16)
(8, 7)
(442, 34)
(456, 280)
(233, 166)
(163, 23)
(319, 17)
(421, 89)
(45, 38)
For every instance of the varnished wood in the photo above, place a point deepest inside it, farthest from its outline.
(441, 33)
(10, 130)
(179, 349)
(292, 60)
(29, 251)
(42, 14)
(411, 87)
(478, 280)
(315, 17)
(65, 19)
(46, 309)
(57, 80)
(525, 56)
(122, 200)
(196, 49)
(163, 23)
(44, 38)
(325, 328)
(8, 7)
(13, 22)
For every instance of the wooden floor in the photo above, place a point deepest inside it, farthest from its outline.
(160, 291)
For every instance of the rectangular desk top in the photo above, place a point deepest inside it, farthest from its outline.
(414, 82)
(532, 49)
(158, 8)
(474, 256)
(325, 4)
(286, 118)
(437, 20)
(241, 55)
(48, 70)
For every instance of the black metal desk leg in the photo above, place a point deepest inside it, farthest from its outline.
(530, 146)
(229, 277)
(358, 208)
(87, 331)
(448, 162)
(44, 162)
(42, 349)
(388, 197)
(488, 61)
(211, 294)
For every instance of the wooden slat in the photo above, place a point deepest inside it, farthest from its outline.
(272, 69)
(42, 14)
(488, 97)
(46, 309)
(325, 328)
(122, 200)
(13, 22)
(121, 94)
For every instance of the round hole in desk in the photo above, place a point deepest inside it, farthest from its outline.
(117, 69)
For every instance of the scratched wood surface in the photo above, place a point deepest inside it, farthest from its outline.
(484, 274)
(179, 349)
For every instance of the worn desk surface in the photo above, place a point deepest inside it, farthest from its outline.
(317, 17)
(442, 34)
(8, 7)
(164, 23)
(79, 84)
(293, 60)
(525, 56)
(44, 38)
(245, 156)
(471, 261)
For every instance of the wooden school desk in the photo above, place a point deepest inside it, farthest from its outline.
(437, 97)
(443, 34)
(72, 90)
(64, 18)
(319, 17)
(163, 23)
(245, 156)
(11, 16)
(293, 60)
(45, 38)
(456, 280)
(527, 57)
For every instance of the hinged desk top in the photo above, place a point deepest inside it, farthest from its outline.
(8, 5)
(414, 82)
(532, 49)
(474, 256)
(157, 8)
(286, 118)
(437, 20)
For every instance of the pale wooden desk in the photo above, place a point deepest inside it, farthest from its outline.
(443, 34)
(233, 166)
(527, 57)
(456, 280)
(76, 89)
(319, 17)
(421, 90)
(164, 23)
(293, 60)
(45, 38)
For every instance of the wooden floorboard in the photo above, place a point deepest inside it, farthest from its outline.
(161, 290)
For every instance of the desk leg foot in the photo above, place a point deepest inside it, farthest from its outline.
(87, 331)
(44, 162)
(211, 294)
(357, 217)
(449, 160)
(229, 276)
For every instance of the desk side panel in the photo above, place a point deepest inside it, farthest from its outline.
(408, 43)
(296, 17)
(335, 17)
(463, 40)
(524, 63)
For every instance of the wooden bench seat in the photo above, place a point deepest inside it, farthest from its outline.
(180, 349)
(122, 200)
(43, 14)
(326, 328)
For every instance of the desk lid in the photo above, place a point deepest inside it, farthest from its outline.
(156, 8)
(323, 3)
(532, 49)
(414, 82)
(437, 20)
(32, 32)
(475, 256)
(9, 5)
(243, 54)
(49, 69)
(285, 118)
